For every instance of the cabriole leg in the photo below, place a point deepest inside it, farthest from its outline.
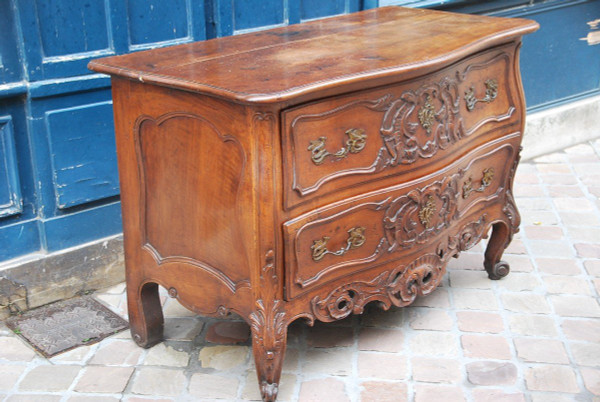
(145, 314)
(269, 341)
(499, 240)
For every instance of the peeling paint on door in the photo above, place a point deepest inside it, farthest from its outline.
(593, 38)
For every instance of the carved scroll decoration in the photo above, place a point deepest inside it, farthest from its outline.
(400, 286)
(468, 237)
(436, 108)
(510, 208)
(268, 335)
(408, 220)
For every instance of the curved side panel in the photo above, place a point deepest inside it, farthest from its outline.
(191, 175)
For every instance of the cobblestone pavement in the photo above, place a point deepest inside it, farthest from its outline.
(532, 336)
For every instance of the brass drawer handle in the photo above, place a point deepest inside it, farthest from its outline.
(486, 180)
(491, 92)
(356, 238)
(357, 140)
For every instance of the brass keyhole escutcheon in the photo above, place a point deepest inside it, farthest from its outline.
(427, 212)
(427, 114)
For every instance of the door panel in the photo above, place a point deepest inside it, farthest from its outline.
(11, 202)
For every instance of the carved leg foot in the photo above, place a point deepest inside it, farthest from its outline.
(499, 240)
(269, 339)
(498, 270)
(145, 314)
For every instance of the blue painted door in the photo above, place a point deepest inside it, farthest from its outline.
(58, 175)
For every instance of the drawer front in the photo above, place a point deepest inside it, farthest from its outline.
(352, 236)
(336, 144)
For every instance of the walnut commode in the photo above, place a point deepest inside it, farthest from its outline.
(305, 171)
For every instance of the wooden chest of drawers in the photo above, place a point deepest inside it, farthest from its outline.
(306, 171)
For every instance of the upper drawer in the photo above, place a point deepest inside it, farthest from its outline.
(337, 143)
(354, 235)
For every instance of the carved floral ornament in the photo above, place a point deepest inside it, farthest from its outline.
(269, 329)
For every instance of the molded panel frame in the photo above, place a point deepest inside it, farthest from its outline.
(543, 59)
(10, 65)
(87, 173)
(39, 65)
(228, 19)
(116, 28)
(42, 149)
(80, 227)
(13, 205)
(15, 108)
(19, 238)
(123, 23)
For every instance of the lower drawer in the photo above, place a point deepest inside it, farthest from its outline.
(356, 234)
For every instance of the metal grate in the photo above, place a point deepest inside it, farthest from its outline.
(67, 324)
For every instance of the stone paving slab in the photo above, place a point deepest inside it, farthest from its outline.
(533, 336)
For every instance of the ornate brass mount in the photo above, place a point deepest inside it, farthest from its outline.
(356, 238)
(486, 180)
(357, 140)
(491, 92)
(427, 114)
(426, 212)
